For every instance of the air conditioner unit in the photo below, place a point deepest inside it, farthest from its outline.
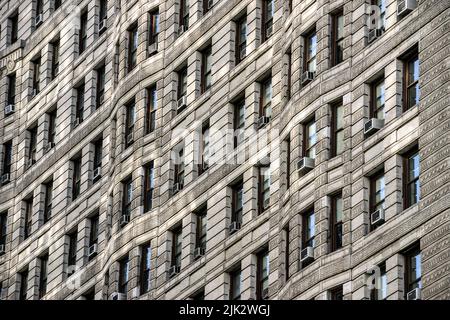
(307, 254)
(374, 34)
(199, 252)
(373, 125)
(102, 26)
(92, 250)
(377, 217)
(49, 146)
(177, 187)
(182, 102)
(174, 270)
(181, 30)
(130, 138)
(118, 296)
(262, 121)
(38, 20)
(5, 178)
(307, 77)
(234, 227)
(414, 294)
(405, 6)
(97, 173)
(265, 294)
(153, 48)
(305, 164)
(125, 219)
(9, 109)
(76, 123)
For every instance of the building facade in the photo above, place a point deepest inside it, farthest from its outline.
(224, 149)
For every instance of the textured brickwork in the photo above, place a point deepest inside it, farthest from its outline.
(280, 226)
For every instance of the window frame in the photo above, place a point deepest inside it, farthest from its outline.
(43, 276)
(409, 284)
(374, 109)
(23, 289)
(308, 240)
(240, 43)
(133, 45)
(375, 293)
(79, 105)
(153, 27)
(182, 83)
(335, 130)
(11, 95)
(336, 225)
(72, 252)
(262, 192)
(82, 38)
(100, 88)
(51, 126)
(76, 178)
(14, 23)
(265, 105)
(407, 202)
(36, 74)
(179, 169)
(201, 229)
(48, 201)
(306, 148)
(407, 86)
(206, 70)
(145, 268)
(127, 197)
(233, 275)
(3, 227)
(267, 21)
(336, 42)
(238, 125)
(55, 59)
(177, 247)
(336, 293)
(262, 277)
(184, 14)
(124, 275)
(307, 46)
(130, 120)
(28, 217)
(237, 210)
(373, 204)
(7, 157)
(149, 182)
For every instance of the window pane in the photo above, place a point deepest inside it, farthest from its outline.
(339, 207)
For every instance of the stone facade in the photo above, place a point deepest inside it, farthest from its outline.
(427, 124)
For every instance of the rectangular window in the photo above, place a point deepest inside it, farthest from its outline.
(266, 98)
(51, 127)
(184, 14)
(290, 6)
(310, 52)
(55, 59)
(337, 34)
(32, 147)
(14, 23)
(207, 5)
(79, 106)
(93, 231)
(237, 202)
(288, 161)
(337, 129)
(413, 269)
(179, 170)
(336, 216)
(411, 178)
(103, 15)
(239, 123)
(129, 124)
(43, 276)
(38, 14)
(182, 83)
(76, 178)
(268, 11)
(132, 47)
(149, 186)
(98, 155)
(100, 89)
(176, 247)
(82, 41)
(379, 19)
(72, 258)
(379, 292)
(48, 201)
(204, 149)
(124, 275)
(36, 76)
(309, 229)
(3, 227)
(411, 79)
(154, 28)
(337, 293)
(288, 74)
(152, 105)
(7, 157)
(377, 99)
(127, 197)
(262, 283)
(200, 239)
(144, 278)
(235, 285)
(23, 285)
(309, 139)
(377, 194)
(286, 253)
(11, 97)
(57, 4)
(241, 39)
(28, 217)
(264, 189)
(206, 69)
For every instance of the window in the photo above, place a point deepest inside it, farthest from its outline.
(72, 258)
(309, 229)
(377, 194)
(336, 216)
(337, 129)
(132, 47)
(152, 105)
(43, 276)
(90, 294)
(7, 158)
(262, 282)
(241, 39)
(100, 89)
(413, 269)
(103, 15)
(411, 78)
(411, 178)
(11, 97)
(207, 5)
(79, 107)
(129, 124)
(55, 59)
(28, 217)
(36, 75)
(32, 146)
(379, 292)
(56, 4)
(3, 228)
(124, 275)
(288, 73)
(309, 139)
(379, 20)
(23, 284)
(176, 248)
(206, 69)
(179, 170)
(76, 178)
(13, 21)
(200, 236)
(98, 155)
(235, 285)
(337, 34)
(286, 253)
(51, 127)
(310, 52)
(264, 189)
(39, 12)
(149, 186)
(144, 277)
(199, 296)
(239, 123)
(287, 144)
(377, 98)
(237, 202)
(93, 231)
(266, 98)
(184, 14)
(82, 41)
(290, 6)
(204, 149)
(182, 83)
(48, 201)
(127, 197)
(337, 293)
(268, 11)
(154, 28)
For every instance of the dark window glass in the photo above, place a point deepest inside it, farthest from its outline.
(309, 229)
(83, 33)
(266, 98)
(3, 228)
(413, 269)
(239, 123)
(262, 282)
(184, 14)
(179, 169)
(336, 222)
(51, 127)
(7, 157)
(39, 7)
(310, 52)
(11, 98)
(32, 147)
(36, 75)
(93, 231)
(241, 39)
(132, 47)
(268, 11)
(337, 293)
(182, 83)
(23, 285)
(288, 162)
(103, 14)
(176, 247)
(206, 69)
(337, 127)
(149, 186)
(98, 154)
(57, 4)
(207, 5)
(379, 292)
(28, 217)
(235, 285)
(14, 23)
(72, 259)
(55, 59)
(377, 194)
(337, 38)
(288, 74)
(200, 241)
(204, 150)
(76, 178)
(286, 252)
(412, 88)
(100, 94)
(129, 124)
(79, 107)
(152, 106)
(379, 21)
(43, 276)
(154, 27)
(127, 197)
(411, 178)
(309, 139)
(48, 201)
(124, 275)
(145, 268)
(377, 100)
(264, 189)
(237, 202)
